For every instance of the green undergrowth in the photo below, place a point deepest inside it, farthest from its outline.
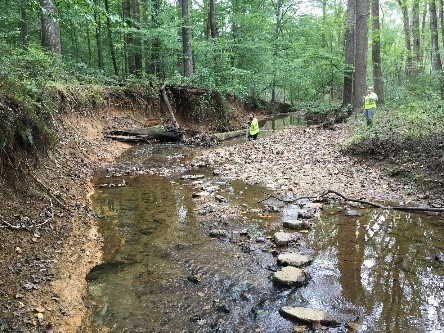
(408, 139)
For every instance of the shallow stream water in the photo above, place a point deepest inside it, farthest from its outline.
(161, 272)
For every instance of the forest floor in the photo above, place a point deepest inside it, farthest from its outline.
(48, 230)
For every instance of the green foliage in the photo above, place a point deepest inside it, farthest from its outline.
(410, 120)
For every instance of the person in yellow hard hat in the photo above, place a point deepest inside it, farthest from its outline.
(254, 128)
(370, 105)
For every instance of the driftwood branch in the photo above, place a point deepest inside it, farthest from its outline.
(364, 202)
(4, 224)
(400, 208)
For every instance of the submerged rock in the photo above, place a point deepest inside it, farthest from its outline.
(307, 315)
(297, 224)
(290, 276)
(294, 259)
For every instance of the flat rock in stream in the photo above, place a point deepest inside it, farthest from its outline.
(297, 224)
(307, 315)
(200, 194)
(283, 238)
(290, 276)
(294, 259)
(192, 177)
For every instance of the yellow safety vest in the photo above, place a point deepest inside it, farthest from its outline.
(370, 101)
(254, 127)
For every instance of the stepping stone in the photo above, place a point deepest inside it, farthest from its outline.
(307, 315)
(294, 259)
(290, 276)
(297, 224)
(282, 238)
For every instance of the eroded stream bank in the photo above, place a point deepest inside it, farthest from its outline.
(163, 272)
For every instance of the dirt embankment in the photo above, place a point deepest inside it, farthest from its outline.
(49, 236)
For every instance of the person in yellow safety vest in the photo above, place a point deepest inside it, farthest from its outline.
(370, 105)
(254, 128)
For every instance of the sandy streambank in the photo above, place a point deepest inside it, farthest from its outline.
(305, 161)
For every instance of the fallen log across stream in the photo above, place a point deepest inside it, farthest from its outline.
(145, 134)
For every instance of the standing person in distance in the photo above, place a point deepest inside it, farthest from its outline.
(254, 128)
(370, 105)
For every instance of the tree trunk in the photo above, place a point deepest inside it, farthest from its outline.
(187, 59)
(347, 94)
(137, 41)
(416, 34)
(50, 27)
(24, 27)
(98, 22)
(436, 59)
(361, 45)
(407, 37)
(110, 39)
(376, 52)
(211, 20)
(88, 41)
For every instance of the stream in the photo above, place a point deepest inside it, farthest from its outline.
(162, 272)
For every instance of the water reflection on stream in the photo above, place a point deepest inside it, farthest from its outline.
(376, 269)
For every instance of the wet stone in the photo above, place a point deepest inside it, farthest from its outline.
(219, 233)
(200, 194)
(290, 276)
(192, 177)
(282, 238)
(307, 315)
(297, 224)
(294, 259)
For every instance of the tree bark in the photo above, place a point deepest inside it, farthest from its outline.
(187, 57)
(50, 27)
(407, 36)
(349, 54)
(376, 52)
(361, 45)
(98, 22)
(211, 32)
(416, 34)
(110, 39)
(436, 59)
(24, 27)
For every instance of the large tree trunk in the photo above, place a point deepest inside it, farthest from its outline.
(211, 20)
(436, 59)
(360, 53)
(349, 56)
(187, 59)
(110, 39)
(407, 37)
(376, 52)
(50, 27)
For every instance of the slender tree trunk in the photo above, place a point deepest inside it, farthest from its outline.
(98, 22)
(88, 40)
(361, 45)
(416, 34)
(407, 36)
(50, 27)
(137, 41)
(186, 41)
(211, 20)
(436, 59)
(24, 27)
(156, 66)
(110, 39)
(349, 54)
(376, 52)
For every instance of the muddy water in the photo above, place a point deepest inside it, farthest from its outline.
(163, 273)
